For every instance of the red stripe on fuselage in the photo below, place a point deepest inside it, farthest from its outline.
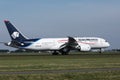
(62, 40)
(90, 43)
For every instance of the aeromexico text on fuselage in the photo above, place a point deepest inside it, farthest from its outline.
(56, 45)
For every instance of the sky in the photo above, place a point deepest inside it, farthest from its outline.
(62, 18)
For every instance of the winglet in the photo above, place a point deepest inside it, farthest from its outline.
(6, 20)
(71, 39)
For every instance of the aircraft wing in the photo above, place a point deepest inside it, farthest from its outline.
(12, 43)
(5, 43)
(71, 44)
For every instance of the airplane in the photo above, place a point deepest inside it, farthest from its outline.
(55, 45)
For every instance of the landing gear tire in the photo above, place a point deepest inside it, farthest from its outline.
(55, 53)
(64, 51)
(101, 50)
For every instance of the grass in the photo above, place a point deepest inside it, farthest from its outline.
(21, 62)
(49, 62)
(65, 76)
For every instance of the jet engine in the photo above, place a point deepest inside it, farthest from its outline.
(84, 47)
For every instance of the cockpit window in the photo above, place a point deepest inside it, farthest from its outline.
(106, 41)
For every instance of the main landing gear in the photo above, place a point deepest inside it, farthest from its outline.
(63, 51)
(55, 53)
(101, 50)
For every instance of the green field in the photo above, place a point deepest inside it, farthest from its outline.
(31, 61)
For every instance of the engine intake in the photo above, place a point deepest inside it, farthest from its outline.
(84, 47)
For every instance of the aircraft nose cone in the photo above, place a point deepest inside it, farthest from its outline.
(107, 44)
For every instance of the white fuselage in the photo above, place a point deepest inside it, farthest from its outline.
(55, 43)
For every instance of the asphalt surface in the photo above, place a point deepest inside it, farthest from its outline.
(59, 71)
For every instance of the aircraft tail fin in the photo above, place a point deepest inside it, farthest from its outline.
(14, 33)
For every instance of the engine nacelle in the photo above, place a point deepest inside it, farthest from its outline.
(84, 47)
